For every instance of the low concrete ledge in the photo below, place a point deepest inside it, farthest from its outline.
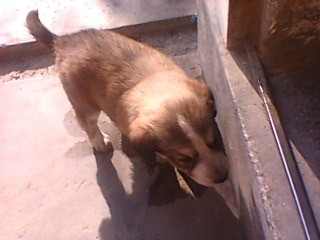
(32, 48)
(267, 208)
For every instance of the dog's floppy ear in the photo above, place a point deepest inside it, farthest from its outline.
(143, 140)
(144, 143)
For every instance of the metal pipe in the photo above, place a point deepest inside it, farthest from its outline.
(280, 146)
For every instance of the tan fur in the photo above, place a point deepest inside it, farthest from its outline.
(140, 89)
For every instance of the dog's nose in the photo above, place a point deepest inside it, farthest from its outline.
(221, 179)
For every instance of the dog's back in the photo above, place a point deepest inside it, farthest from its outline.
(101, 53)
(151, 100)
(104, 63)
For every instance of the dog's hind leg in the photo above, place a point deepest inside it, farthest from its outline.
(87, 113)
(86, 110)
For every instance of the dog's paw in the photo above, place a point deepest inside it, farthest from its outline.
(101, 143)
(103, 147)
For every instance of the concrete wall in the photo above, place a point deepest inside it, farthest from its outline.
(267, 208)
(290, 35)
(222, 9)
(286, 32)
(243, 21)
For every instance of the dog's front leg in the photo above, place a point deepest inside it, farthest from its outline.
(89, 123)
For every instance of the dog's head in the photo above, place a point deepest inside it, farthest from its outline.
(184, 133)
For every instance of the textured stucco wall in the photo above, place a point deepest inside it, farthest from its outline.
(290, 35)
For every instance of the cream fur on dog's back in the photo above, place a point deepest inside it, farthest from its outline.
(142, 91)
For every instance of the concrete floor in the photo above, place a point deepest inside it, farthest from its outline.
(54, 187)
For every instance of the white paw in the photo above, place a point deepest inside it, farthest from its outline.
(101, 144)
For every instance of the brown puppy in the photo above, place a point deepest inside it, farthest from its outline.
(151, 100)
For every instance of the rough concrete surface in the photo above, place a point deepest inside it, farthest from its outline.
(264, 198)
(297, 100)
(52, 186)
(289, 47)
(289, 35)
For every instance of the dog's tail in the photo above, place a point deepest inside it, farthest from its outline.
(39, 31)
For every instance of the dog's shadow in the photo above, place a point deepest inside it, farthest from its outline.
(127, 188)
(127, 203)
(132, 218)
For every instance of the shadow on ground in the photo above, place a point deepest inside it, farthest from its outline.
(132, 218)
